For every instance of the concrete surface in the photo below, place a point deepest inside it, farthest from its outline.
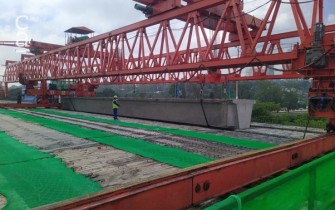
(226, 114)
(108, 166)
(115, 168)
(210, 149)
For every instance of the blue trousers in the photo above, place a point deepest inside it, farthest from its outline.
(115, 113)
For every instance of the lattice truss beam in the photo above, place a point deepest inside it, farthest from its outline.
(203, 41)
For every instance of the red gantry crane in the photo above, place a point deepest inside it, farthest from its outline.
(204, 41)
(214, 42)
(46, 96)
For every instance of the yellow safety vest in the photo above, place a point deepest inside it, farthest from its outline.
(115, 106)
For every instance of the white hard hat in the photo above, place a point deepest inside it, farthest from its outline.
(115, 96)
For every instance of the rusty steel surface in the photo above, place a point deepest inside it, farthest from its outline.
(194, 185)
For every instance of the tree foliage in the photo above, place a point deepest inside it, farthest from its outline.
(289, 94)
(263, 109)
(290, 100)
(13, 91)
(268, 91)
(247, 89)
(107, 92)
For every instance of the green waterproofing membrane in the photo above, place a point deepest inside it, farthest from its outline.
(30, 178)
(193, 134)
(309, 187)
(172, 156)
(13, 152)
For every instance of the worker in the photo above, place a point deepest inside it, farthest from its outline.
(322, 103)
(116, 106)
(19, 98)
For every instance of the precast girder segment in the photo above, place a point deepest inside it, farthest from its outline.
(155, 51)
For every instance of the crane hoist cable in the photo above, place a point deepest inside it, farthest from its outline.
(307, 124)
(202, 104)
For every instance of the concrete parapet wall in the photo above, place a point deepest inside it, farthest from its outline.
(227, 114)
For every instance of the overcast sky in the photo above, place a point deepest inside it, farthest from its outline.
(46, 20)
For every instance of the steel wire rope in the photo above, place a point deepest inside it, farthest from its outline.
(281, 70)
(258, 7)
(166, 70)
(196, 72)
(301, 68)
(223, 18)
(202, 104)
(203, 67)
(252, 10)
(247, 2)
(301, 2)
(241, 68)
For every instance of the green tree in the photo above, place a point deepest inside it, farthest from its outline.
(268, 91)
(108, 92)
(247, 89)
(13, 91)
(264, 109)
(216, 91)
(290, 100)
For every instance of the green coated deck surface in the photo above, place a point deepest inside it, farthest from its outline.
(30, 178)
(251, 144)
(172, 156)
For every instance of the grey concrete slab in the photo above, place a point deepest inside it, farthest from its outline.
(227, 114)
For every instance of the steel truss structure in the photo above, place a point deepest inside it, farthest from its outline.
(215, 41)
(134, 54)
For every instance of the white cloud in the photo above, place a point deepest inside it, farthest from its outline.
(331, 19)
(47, 20)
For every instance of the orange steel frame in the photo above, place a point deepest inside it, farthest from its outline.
(132, 55)
(195, 185)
